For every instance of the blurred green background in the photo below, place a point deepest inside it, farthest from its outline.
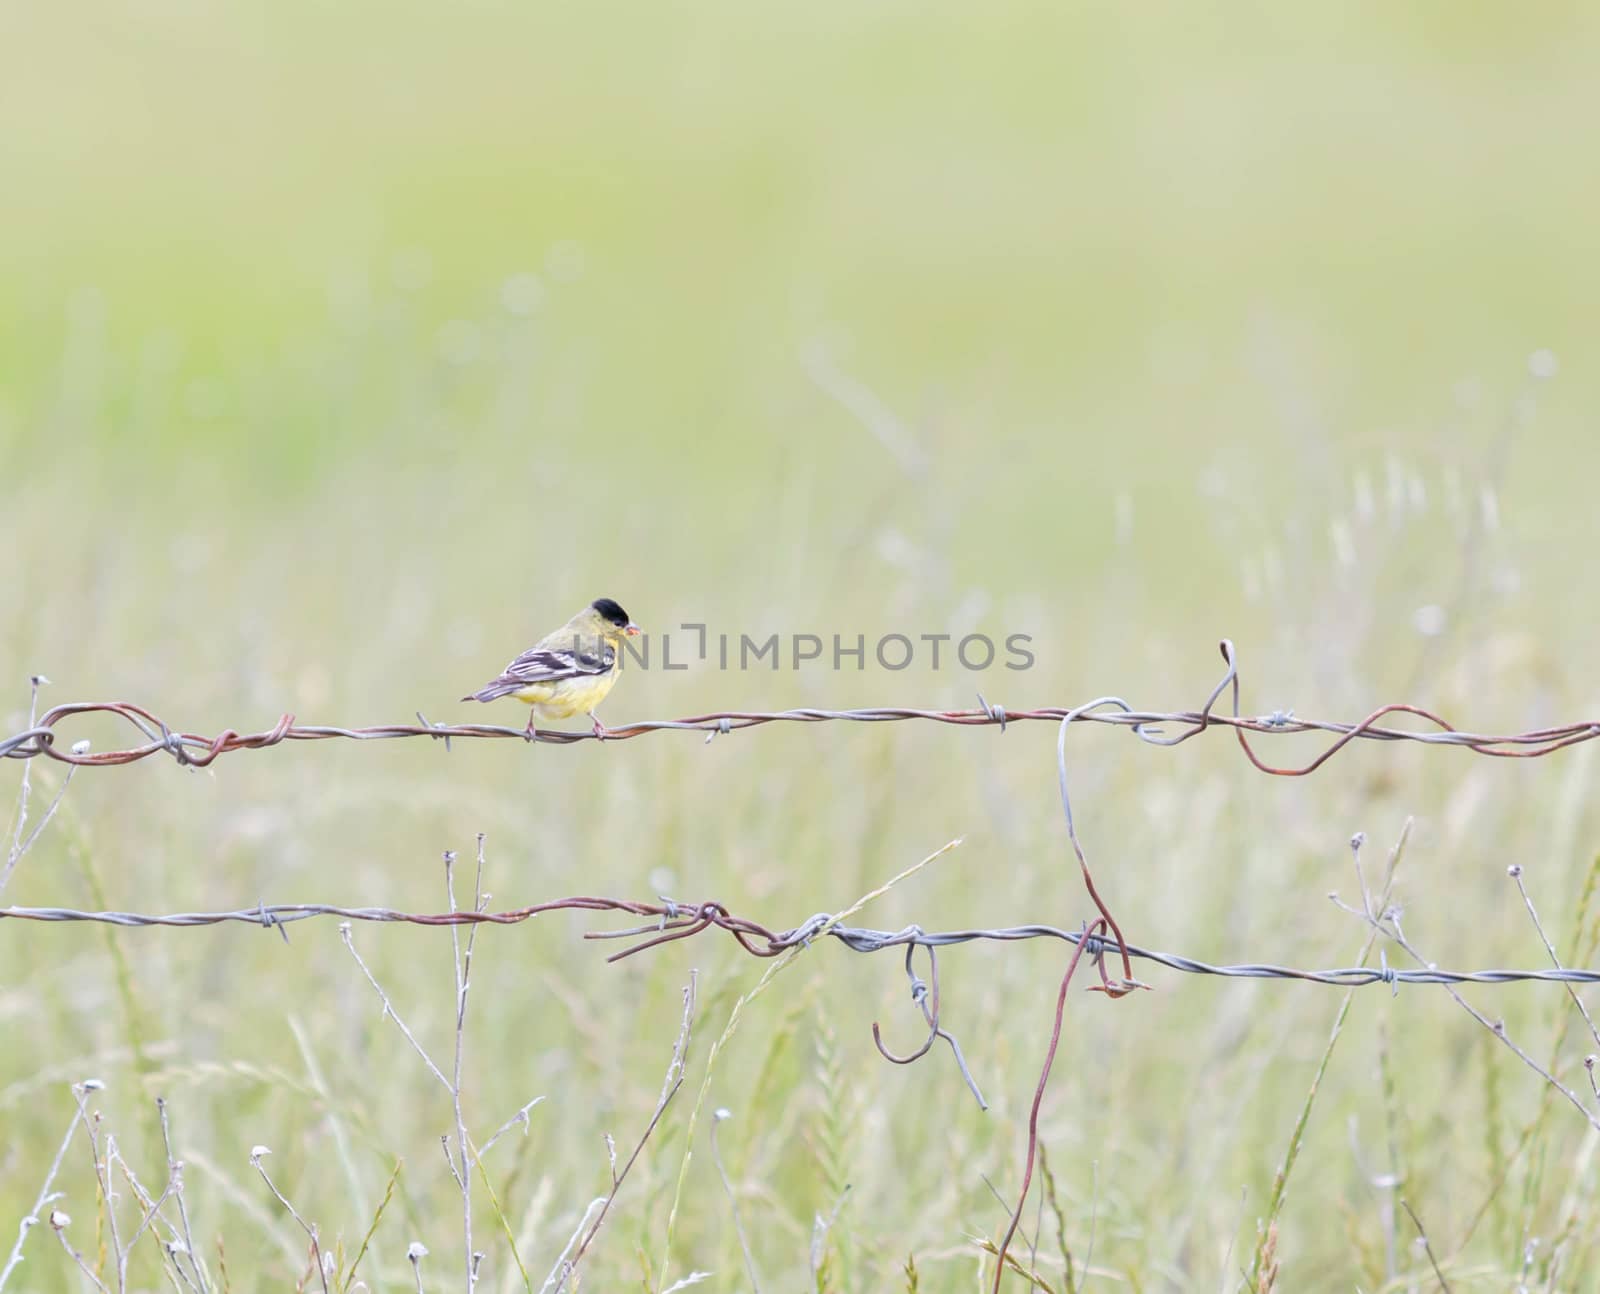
(346, 349)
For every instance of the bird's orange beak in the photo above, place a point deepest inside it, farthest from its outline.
(633, 631)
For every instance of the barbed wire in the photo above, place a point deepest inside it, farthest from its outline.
(196, 750)
(677, 921)
(668, 921)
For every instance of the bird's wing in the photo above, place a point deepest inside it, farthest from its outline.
(548, 663)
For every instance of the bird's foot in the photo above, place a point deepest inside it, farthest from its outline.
(600, 730)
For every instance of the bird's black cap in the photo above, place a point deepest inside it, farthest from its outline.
(611, 611)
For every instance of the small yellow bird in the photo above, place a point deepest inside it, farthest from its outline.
(570, 671)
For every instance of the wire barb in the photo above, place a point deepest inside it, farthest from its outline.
(438, 731)
(995, 712)
(269, 920)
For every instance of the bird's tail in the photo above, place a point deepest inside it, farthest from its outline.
(494, 691)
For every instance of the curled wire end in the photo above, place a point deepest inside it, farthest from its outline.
(1231, 659)
(926, 997)
(918, 1054)
(723, 728)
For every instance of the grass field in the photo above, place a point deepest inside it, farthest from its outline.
(344, 350)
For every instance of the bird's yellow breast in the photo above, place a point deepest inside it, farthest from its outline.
(569, 696)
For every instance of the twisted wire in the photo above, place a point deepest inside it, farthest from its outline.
(675, 921)
(198, 750)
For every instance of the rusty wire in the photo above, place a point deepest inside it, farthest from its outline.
(674, 921)
(196, 750)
